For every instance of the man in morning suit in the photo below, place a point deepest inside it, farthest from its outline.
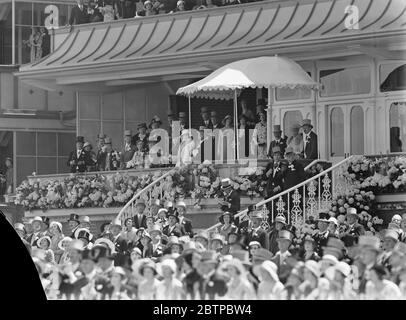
(206, 124)
(310, 150)
(231, 197)
(285, 238)
(120, 243)
(140, 220)
(79, 14)
(79, 159)
(216, 126)
(128, 149)
(278, 142)
(354, 229)
(294, 173)
(256, 232)
(275, 172)
(173, 228)
(185, 223)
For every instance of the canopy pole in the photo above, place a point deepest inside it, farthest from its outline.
(269, 120)
(236, 125)
(190, 116)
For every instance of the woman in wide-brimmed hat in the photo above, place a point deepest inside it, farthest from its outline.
(169, 288)
(226, 144)
(269, 288)
(55, 230)
(259, 137)
(239, 288)
(147, 289)
(295, 141)
(227, 224)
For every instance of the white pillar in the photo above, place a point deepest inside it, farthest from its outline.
(269, 120)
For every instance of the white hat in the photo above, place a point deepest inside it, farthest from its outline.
(271, 268)
(254, 243)
(344, 268)
(19, 226)
(170, 263)
(85, 219)
(58, 224)
(105, 241)
(330, 258)
(44, 238)
(37, 218)
(161, 210)
(236, 263)
(313, 267)
(62, 241)
(181, 204)
(333, 220)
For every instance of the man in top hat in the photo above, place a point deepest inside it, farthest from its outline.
(173, 228)
(310, 150)
(183, 121)
(79, 159)
(185, 223)
(73, 223)
(278, 225)
(33, 238)
(214, 284)
(206, 125)
(354, 229)
(45, 226)
(128, 149)
(275, 173)
(84, 235)
(216, 126)
(294, 173)
(278, 142)
(109, 159)
(120, 243)
(142, 135)
(369, 247)
(256, 232)
(231, 198)
(321, 234)
(157, 247)
(285, 238)
(85, 222)
(140, 220)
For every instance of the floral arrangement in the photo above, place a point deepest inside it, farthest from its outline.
(381, 175)
(206, 184)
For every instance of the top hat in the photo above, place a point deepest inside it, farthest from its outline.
(156, 228)
(277, 128)
(213, 113)
(225, 183)
(257, 215)
(285, 234)
(74, 217)
(369, 242)
(88, 254)
(288, 150)
(170, 113)
(280, 219)
(352, 211)
(127, 133)
(80, 139)
(102, 250)
(101, 136)
(276, 149)
(209, 256)
(141, 202)
(323, 217)
(83, 233)
(142, 125)
(174, 214)
(182, 114)
(204, 110)
(45, 220)
(307, 122)
(107, 140)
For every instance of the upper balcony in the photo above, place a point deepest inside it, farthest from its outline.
(198, 41)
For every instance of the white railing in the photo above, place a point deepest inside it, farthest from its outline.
(305, 199)
(128, 210)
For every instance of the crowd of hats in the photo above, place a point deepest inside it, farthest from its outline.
(356, 266)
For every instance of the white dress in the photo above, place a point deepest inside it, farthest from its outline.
(173, 291)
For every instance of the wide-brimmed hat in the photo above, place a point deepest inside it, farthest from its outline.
(225, 118)
(163, 210)
(344, 268)
(37, 219)
(391, 234)
(271, 268)
(210, 256)
(217, 237)
(74, 217)
(307, 122)
(85, 219)
(226, 213)
(87, 144)
(262, 255)
(148, 263)
(330, 258)
(45, 238)
(169, 263)
(285, 234)
(174, 240)
(254, 243)
(56, 223)
(369, 242)
(181, 204)
(64, 239)
(333, 220)
(280, 219)
(237, 264)
(106, 242)
(313, 267)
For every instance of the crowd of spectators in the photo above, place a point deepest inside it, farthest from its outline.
(109, 10)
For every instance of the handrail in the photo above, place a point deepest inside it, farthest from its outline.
(313, 163)
(241, 213)
(142, 191)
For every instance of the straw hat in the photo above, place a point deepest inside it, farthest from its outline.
(106, 242)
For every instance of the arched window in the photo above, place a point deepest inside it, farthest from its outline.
(357, 130)
(397, 126)
(290, 119)
(337, 132)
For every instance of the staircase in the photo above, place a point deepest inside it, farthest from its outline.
(296, 204)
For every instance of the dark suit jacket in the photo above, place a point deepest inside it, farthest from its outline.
(276, 179)
(281, 144)
(353, 233)
(293, 176)
(259, 235)
(234, 199)
(80, 163)
(143, 222)
(283, 268)
(216, 285)
(177, 231)
(78, 16)
(114, 161)
(311, 151)
(121, 251)
(126, 156)
(186, 226)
